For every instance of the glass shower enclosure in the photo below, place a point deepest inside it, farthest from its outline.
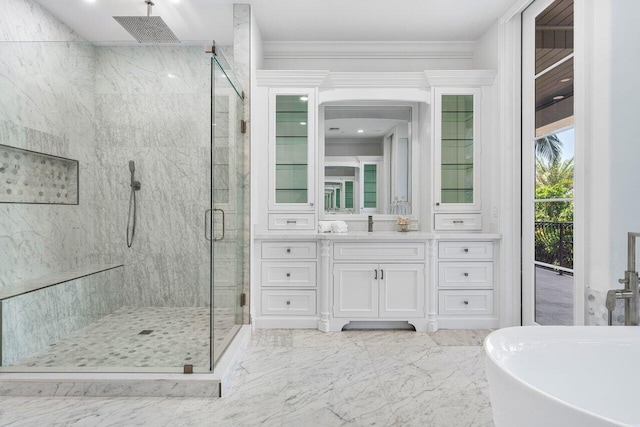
(73, 296)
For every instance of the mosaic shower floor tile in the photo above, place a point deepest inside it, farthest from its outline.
(132, 337)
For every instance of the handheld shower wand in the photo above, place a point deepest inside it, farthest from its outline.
(133, 205)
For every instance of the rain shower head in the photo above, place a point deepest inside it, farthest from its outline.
(147, 29)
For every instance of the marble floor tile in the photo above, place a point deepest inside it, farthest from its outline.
(459, 337)
(306, 378)
(272, 338)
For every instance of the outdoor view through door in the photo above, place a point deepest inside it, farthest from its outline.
(548, 147)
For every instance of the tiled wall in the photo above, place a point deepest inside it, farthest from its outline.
(47, 105)
(32, 321)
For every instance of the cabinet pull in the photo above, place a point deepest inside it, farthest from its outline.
(466, 250)
(289, 274)
(291, 221)
(458, 221)
(465, 274)
(466, 302)
(381, 274)
(376, 276)
(288, 250)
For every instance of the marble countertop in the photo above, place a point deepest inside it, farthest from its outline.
(52, 279)
(375, 236)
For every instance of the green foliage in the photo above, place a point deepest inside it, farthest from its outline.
(554, 180)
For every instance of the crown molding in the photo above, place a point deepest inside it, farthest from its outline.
(291, 78)
(376, 80)
(368, 50)
(459, 78)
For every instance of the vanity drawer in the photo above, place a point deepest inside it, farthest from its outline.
(289, 250)
(293, 221)
(288, 274)
(384, 252)
(465, 275)
(465, 302)
(465, 250)
(296, 303)
(458, 222)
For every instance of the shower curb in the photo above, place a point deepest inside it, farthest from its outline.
(88, 384)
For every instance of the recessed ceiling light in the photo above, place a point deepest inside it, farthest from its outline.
(90, 1)
(558, 98)
(172, 76)
(303, 123)
(568, 79)
(360, 130)
(304, 98)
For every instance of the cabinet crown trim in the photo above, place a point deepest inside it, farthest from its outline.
(291, 78)
(460, 78)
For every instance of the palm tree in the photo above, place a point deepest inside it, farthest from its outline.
(553, 173)
(549, 148)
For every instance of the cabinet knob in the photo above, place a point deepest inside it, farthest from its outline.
(466, 250)
(288, 250)
(288, 274)
(466, 302)
(289, 302)
(465, 274)
(437, 203)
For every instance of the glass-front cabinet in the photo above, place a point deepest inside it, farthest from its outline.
(291, 149)
(457, 148)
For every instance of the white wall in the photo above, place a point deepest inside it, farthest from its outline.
(366, 64)
(625, 131)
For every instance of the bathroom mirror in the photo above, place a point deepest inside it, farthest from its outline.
(367, 159)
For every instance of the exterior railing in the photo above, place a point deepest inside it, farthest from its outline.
(554, 243)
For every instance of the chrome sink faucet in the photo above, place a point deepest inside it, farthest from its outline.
(630, 293)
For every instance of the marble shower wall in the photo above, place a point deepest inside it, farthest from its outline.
(153, 107)
(32, 321)
(47, 105)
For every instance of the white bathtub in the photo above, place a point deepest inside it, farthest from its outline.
(564, 376)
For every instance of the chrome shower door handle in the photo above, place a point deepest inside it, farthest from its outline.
(217, 239)
(207, 232)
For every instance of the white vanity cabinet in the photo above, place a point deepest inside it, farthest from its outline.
(288, 289)
(466, 291)
(393, 288)
(292, 135)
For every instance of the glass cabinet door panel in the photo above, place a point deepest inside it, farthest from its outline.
(370, 186)
(457, 149)
(292, 149)
(348, 195)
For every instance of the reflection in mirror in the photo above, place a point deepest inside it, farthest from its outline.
(367, 163)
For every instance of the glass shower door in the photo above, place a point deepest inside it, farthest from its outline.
(227, 207)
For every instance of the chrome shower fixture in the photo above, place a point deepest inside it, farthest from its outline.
(133, 204)
(147, 29)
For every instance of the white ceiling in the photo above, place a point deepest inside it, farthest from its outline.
(292, 20)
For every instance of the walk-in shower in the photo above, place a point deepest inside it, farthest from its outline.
(75, 296)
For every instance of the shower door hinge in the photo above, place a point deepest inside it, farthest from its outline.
(243, 126)
(188, 369)
(243, 299)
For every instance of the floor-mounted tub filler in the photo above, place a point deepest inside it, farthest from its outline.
(564, 376)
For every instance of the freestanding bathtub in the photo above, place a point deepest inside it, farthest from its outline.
(566, 376)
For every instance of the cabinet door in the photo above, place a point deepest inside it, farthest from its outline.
(457, 149)
(355, 290)
(291, 149)
(402, 290)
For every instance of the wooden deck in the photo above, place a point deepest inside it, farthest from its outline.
(554, 298)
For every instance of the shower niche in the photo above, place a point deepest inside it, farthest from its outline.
(37, 178)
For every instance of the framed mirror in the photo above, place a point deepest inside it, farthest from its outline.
(367, 154)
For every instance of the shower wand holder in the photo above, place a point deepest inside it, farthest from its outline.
(136, 185)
